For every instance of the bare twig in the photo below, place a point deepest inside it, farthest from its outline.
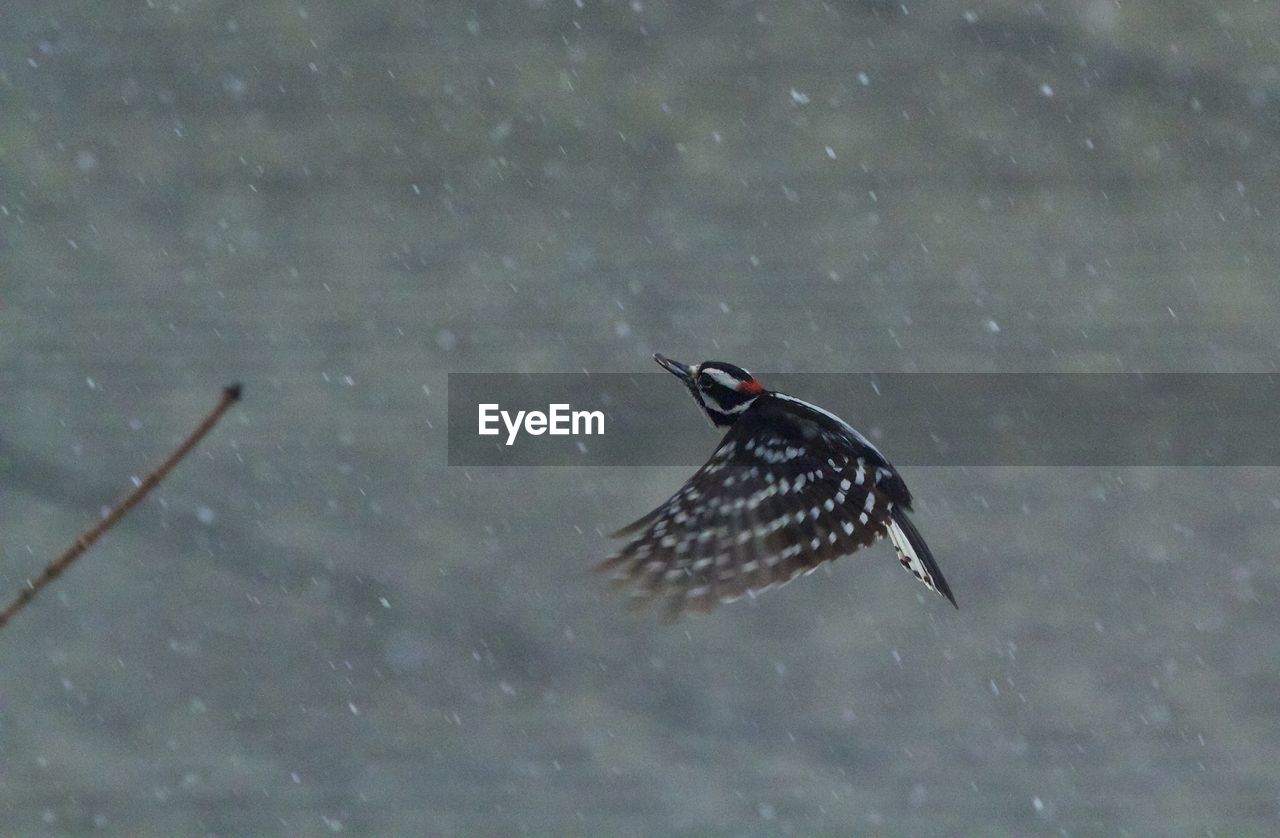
(55, 568)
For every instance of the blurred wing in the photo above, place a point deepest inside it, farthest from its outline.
(762, 510)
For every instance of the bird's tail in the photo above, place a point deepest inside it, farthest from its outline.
(914, 553)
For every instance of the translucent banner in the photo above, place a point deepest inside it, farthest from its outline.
(921, 419)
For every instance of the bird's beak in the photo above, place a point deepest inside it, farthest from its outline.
(676, 368)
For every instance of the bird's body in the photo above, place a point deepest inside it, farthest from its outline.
(790, 486)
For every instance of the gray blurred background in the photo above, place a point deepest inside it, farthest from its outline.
(316, 627)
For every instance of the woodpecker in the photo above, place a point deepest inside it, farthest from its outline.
(790, 486)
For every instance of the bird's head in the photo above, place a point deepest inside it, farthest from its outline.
(722, 390)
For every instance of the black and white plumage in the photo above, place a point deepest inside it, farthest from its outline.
(790, 487)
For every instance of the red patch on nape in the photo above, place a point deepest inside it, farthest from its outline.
(751, 387)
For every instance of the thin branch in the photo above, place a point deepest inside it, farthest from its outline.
(55, 568)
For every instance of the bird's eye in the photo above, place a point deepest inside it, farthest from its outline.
(705, 381)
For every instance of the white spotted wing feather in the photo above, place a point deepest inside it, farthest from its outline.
(779, 497)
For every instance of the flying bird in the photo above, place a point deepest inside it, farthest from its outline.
(790, 486)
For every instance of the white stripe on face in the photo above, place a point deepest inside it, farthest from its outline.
(722, 378)
(715, 405)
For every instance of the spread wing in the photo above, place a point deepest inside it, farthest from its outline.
(772, 502)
